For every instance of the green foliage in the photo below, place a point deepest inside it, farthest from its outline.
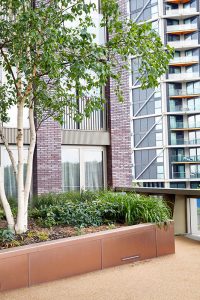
(43, 41)
(13, 206)
(142, 209)
(6, 235)
(2, 215)
(94, 209)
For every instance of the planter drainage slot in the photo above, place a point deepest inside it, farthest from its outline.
(130, 257)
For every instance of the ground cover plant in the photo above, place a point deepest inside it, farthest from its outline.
(55, 216)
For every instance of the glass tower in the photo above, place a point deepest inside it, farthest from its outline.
(166, 120)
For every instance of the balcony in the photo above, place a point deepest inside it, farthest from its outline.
(184, 44)
(181, 28)
(184, 126)
(182, 77)
(180, 93)
(181, 12)
(184, 61)
(185, 159)
(178, 175)
(185, 142)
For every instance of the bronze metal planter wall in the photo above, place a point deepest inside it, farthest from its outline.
(29, 265)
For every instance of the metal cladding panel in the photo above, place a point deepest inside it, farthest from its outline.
(100, 138)
(14, 272)
(128, 248)
(165, 240)
(64, 261)
(11, 134)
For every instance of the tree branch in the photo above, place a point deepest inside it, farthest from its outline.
(10, 69)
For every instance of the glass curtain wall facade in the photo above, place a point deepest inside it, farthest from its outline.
(166, 121)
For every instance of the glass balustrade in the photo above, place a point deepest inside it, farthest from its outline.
(178, 175)
(183, 158)
(180, 11)
(185, 59)
(183, 125)
(185, 142)
(195, 175)
(181, 92)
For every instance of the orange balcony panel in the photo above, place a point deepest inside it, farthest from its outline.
(184, 129)
(184, 96)
(178, 1)
(183, 64)
(179, 32)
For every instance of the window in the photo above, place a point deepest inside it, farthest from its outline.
(177, 185)
(173, 37)
(194, 137)
(143, 9)
(9, 177)
(83, 168)
(174, 70)
(193, 87)
(160, 172)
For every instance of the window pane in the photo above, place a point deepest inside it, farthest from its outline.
(70, 170)
(93, 162)
(9, 177)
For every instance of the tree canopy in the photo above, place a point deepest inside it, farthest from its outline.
(48, 49)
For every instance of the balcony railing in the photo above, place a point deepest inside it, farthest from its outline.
(180, 92)
(185, 142)
(181, 11)
(96, 121)
(185, 109)
(178, 175)
(182, 175)
(182, 28)
(182, 125)
(182, 158)
(183, 76)
(179, 108)
(184, 60)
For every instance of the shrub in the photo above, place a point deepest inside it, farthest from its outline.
(96, 208)
(6, 235)
(142, 209)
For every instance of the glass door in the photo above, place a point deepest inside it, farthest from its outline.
(194, 216)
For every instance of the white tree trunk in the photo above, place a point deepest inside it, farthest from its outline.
(29, 161)
(20, 226)
(4, 201)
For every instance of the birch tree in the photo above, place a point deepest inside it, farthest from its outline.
(49, 54)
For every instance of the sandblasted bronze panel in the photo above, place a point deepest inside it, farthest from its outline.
(13, 272)
(165, 240)
(129, 247)
(60, 262)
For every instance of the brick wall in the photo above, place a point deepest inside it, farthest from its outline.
(47, 170)
(119, 153)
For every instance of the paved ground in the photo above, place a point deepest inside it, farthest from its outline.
(165, 278)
